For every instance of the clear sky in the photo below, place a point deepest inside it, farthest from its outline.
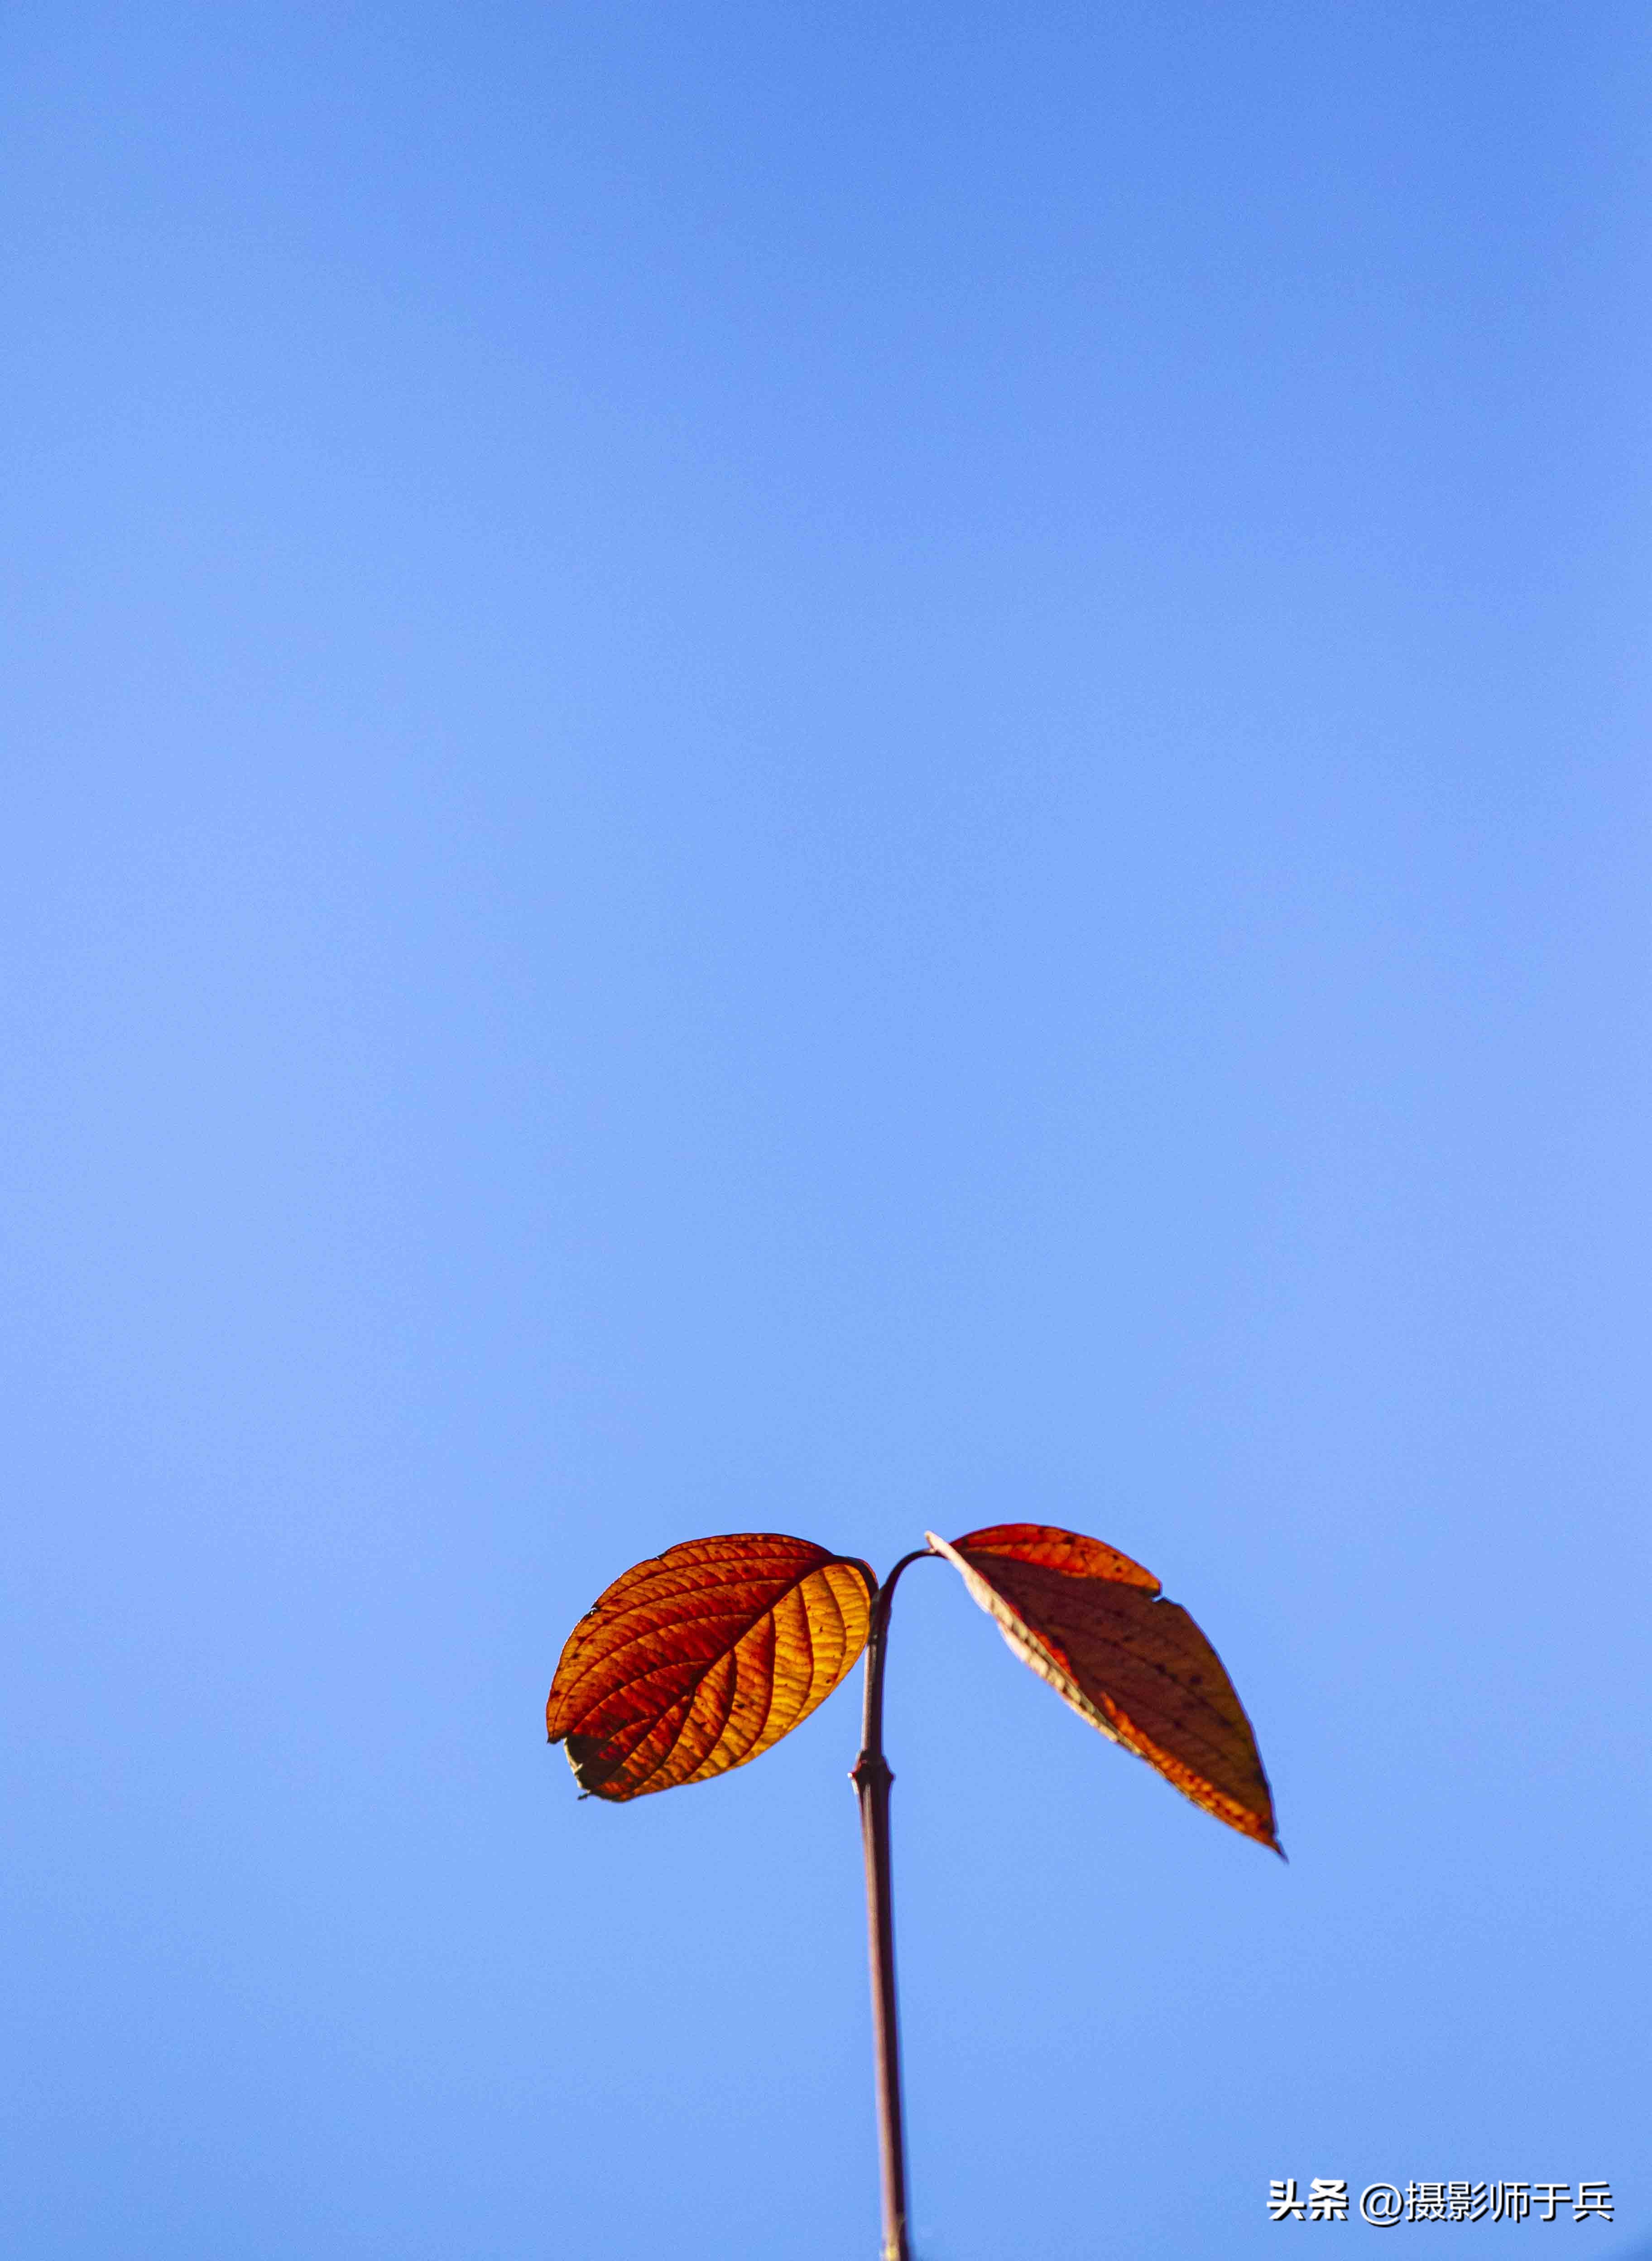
(820, 768)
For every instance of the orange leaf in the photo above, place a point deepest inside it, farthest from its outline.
(1087, 1619)
(703, 1657)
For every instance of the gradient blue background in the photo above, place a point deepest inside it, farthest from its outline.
(820, 768)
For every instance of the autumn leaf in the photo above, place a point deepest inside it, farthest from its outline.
(703, 1657)
(1089, 1620)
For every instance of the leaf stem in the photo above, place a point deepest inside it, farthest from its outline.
(873, 1779)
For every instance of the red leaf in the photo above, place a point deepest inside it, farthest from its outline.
(1087, 1619)
(701, 1658)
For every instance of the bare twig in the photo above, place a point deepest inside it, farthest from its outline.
(873, 1779)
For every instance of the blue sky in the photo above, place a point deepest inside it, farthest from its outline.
(820, 768)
